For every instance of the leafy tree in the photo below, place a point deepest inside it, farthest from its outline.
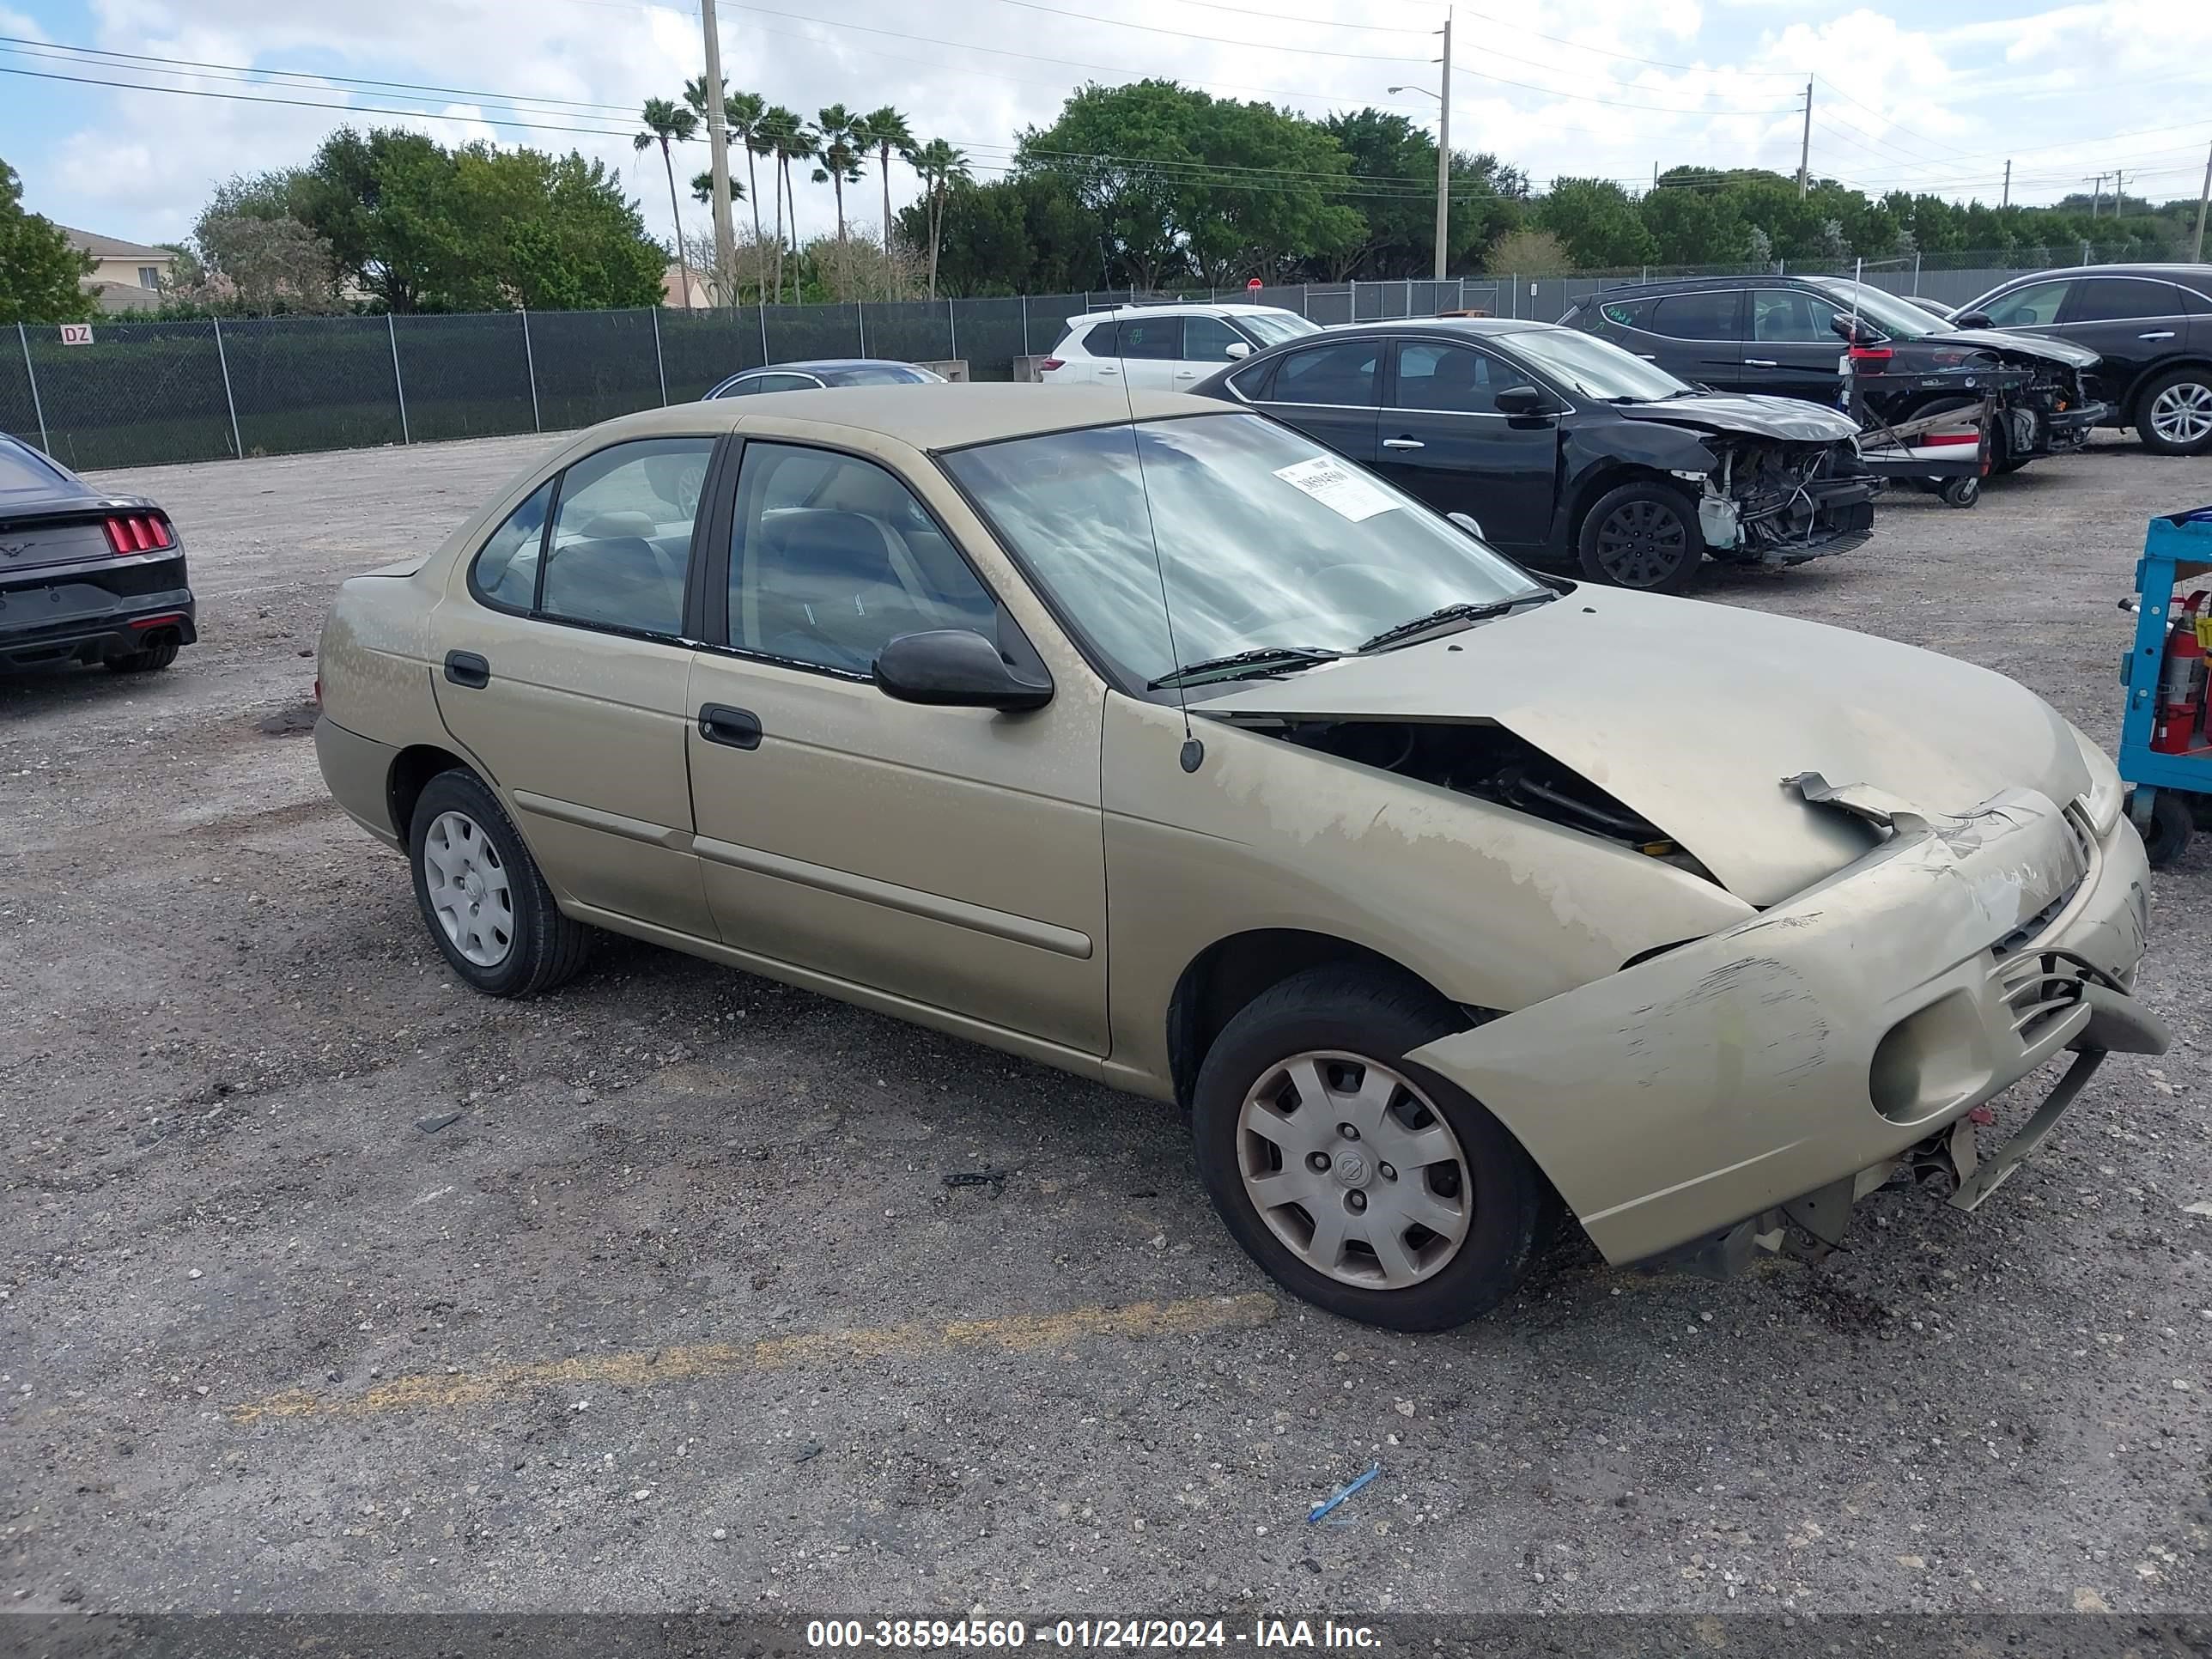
(885, 130)
(39, 273)
(1395, 165)
(1598, 221)
(1528, 253)
(1026, 235)
(670, 122)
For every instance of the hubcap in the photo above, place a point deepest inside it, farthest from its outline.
(1353, 1170)
(1641, 544)
(2182, 414)
(468, 889)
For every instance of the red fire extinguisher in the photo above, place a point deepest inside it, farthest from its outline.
(2181, 682)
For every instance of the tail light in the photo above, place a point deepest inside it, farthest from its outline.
(1050, 364)
(138, 532)
(1870, 354)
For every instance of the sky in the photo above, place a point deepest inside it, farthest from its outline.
(1928, 94)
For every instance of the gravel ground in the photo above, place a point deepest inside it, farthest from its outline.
(330, 1286)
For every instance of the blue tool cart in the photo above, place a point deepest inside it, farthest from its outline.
(2166, 746)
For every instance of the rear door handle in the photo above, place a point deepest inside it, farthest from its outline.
(2159, 334)
(736, 728)
(1186, 375)
(1761, 362)
(1110, 369)
(467, 668)
(1403, 443)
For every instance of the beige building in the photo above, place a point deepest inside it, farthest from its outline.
(130, 276)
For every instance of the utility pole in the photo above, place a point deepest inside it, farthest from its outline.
(2007, 187)
(2119, 192)
(2202, 196)
(1805, 145)
(718, 148)
(2097, 194)
(1444, 153)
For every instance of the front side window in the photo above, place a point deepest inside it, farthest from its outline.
(505, 572)
(1791, 317)
(1899, 318)
(1454, 379)
(2123, 298)
(831, 558)
(1208, 339)
(2035, 306)
(1711, 315)
(621, 540)
(1256, 535)
(1342, 374)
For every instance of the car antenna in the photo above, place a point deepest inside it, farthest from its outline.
(1194, 752)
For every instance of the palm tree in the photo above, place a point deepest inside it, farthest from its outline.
(842, 148)
(792, 140)
(885, 130)
(669, 122)
(941, 166)
(703, 189)
(742, 113)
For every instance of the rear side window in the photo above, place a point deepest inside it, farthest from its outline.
(620, 539)
(1100, 341)
(2122, 299)
(1713, 315)
(1153, 338)
(1339, 373)
(505, 572)
(1623, 313)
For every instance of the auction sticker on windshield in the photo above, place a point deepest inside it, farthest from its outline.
(1337, 488)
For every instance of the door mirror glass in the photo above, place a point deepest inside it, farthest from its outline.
(1236, 349)
(1519, 400)
(1970, 319)
(1842, 324)
(957, 668)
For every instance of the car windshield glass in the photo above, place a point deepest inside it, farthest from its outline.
(871, 374)
(1594, 368)
(1899, 318)
(1273, 327)
(20, 469)
(1265, 540)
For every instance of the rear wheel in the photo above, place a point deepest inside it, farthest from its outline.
(1360, 1181)
(1643, 535)
(489, 910)
(2172, 825)
(1962, 492)
(146, 660)
(2176, 413)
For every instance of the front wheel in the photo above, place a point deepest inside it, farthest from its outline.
(1962, 492)
(1643, 535)
(1360, 1181)
(489, 910)
(2177, 413)
(2171, 824)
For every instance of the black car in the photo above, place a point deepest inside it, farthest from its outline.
(2152, 325)
(816, 373)
(1786, 336)
(1561, 445)
(85, 576)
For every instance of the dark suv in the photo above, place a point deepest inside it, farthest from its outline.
(1785, 336)
(2152, 325)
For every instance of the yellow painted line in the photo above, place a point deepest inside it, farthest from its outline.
(1013, 1333)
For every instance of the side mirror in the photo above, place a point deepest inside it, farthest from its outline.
(1467, 522)
(1236, 349)
(955, 668)
(1970, 319)
(1521, 400)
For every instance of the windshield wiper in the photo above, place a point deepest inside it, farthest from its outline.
(1452, 617)
(1245, 665)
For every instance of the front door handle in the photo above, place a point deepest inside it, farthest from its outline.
(736, 728)
(2157, 334)
(1761, 362)
(1403, 443)
(467, 668)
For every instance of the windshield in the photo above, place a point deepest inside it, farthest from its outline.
(1594, 368)
(1899, 318)
(1273, 327)
(1265, 540)
(876, 375)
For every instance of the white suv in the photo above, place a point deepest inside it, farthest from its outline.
(1164, 348)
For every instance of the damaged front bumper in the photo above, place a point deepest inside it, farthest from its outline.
(2038, 432)
(1811, 521)
(1788, 1064)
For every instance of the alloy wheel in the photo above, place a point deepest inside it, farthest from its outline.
(1354, 1170)
(1641, 544)
(2182, 413)
(468, 887)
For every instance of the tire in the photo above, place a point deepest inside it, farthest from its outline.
(1961, 492)
(1644, 535)
(1482, 1187)
(2173, 413)
(150, 660)
(2171, 824)
(465, 851)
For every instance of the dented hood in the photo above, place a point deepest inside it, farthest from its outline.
(1791, 419)
(2020, 345)
(1693, 713)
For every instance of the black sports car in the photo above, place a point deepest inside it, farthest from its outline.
(1787, 335)
(1561, 445)
(85, 577)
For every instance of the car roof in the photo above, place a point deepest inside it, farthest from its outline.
(931, 417)
(1701, 284)
(1183, 308)
(2200, 273)
(809, 363)
(1478, 325)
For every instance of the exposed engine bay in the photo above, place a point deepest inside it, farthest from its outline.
(1783, 503)
(1487, 761)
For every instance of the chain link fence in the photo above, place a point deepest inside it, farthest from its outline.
(138, 394)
